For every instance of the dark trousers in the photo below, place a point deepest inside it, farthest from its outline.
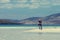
(40, 26)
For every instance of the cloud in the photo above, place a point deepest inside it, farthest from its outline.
(32, 4)
(45, 2)
(35, 1)
(55, 2)
(22, 5)
(20, 1)
(9, 6)
(4, 1)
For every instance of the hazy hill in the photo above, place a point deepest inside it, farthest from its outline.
(8, 21)
(32, 20)
(51, 19)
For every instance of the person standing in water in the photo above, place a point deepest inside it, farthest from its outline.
(40, 24)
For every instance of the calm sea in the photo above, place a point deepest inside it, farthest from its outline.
(17, 33)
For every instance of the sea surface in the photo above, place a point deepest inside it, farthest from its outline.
(17, 33)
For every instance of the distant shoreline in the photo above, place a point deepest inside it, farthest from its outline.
(5, 24)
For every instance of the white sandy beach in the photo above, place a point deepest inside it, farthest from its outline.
(50, 29)
(44, 30)
(25, 33)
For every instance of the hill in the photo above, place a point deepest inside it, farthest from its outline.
(51, 19)
(48, 20)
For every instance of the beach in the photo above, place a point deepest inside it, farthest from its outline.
(34, 29)
(29, 33)
(44, 30)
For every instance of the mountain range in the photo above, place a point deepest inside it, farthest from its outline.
(51, 20)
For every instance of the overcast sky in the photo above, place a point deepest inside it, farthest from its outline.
(21, 9)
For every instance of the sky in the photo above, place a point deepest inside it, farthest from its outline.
(21, 9)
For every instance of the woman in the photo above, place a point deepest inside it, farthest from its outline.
(40, 24)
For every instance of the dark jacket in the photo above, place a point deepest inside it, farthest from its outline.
(40, 23)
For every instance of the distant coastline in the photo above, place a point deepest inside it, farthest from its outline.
(51, 20)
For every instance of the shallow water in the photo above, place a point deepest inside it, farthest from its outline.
(17, 33)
